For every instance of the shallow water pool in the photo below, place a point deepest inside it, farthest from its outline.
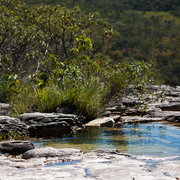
(154, 139)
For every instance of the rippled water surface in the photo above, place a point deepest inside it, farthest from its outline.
(157, 139)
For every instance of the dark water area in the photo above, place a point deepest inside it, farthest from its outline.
(155, 139)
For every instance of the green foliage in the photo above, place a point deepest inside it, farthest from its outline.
(8, 85)
(166, 16)
(49, 38)
(10, 135)
(22, 99)
(48, 98)
(83, 95)
(4, 88)
(148, 30)
(137, 74)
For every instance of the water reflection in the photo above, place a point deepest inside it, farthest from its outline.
(156, 138)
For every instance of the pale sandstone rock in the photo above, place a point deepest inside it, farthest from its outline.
(105, 122)
(97, 164)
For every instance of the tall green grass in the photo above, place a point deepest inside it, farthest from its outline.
(4, 88)
(22, 99)
(48, 98)
(83, 95)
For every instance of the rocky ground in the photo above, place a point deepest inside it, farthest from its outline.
(68, 164)
(21, 160)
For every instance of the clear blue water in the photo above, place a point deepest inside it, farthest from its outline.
(154, 139)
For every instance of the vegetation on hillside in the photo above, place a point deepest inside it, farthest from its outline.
(148, 30)
(52, 56)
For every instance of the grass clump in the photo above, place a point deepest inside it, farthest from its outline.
(85, 96)
(22, 99)
(48, 98)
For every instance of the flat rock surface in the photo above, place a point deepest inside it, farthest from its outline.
(97, 164)
(163, 114)
(134, 119)
(173, 106)
(106, 121)
(37, 115)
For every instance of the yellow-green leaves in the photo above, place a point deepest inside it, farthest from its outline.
(84, 42)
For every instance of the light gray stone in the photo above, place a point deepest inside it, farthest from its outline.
(163, 114)
(4, 109)
(51, 152)
(104, 122)
(135, 119)
(97, 164)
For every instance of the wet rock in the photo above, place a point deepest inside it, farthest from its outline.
(97, 164)
(169, 168)
(15, 147)
(117, 119)
(51, 152)
(106, 151)
(113, 165)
